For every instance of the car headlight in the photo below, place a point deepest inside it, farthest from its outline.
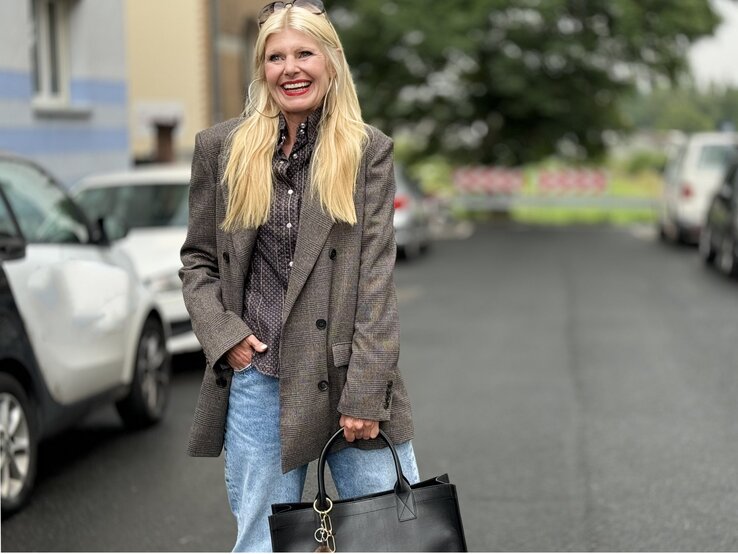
(164, 283)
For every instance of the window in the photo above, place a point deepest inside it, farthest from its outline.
(7, 225)
(50, 50)
(137, 206)
(715, 156)
(44, 212)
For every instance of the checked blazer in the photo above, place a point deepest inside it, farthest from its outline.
(340, 335)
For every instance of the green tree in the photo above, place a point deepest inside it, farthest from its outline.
(510, 81)
(685, 108)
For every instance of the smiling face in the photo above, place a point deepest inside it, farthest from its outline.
(296, 73)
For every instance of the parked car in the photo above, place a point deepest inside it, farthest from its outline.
(719, 238)
(146, 211)
(412, 220)
(691, 177)
(78, 327)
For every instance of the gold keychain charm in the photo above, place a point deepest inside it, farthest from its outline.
(324, 533)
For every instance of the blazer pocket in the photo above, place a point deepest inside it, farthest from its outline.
(341, 354)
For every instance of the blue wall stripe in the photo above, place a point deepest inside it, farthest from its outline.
(15, 84)
(97, 91)
(31, 142)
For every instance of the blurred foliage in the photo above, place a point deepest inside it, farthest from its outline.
(510, 81)
(645, 160)
(685, 108)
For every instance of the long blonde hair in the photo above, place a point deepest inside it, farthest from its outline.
(339, 145)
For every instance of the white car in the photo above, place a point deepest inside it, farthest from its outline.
(145, 211)
(693, 174)
(77, 326)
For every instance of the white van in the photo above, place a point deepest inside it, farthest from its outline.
(692, 175)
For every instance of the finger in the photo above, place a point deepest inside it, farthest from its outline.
(232, 359)
(237, 359)
(374, 432)
(255, 343)
(349, 434)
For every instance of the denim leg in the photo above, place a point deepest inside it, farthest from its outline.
(359, 472)
(253, 467)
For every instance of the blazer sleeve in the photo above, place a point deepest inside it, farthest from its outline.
(376, 341)
(217, 329)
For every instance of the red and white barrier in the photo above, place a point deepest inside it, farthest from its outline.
(488, 180)
(572, 182)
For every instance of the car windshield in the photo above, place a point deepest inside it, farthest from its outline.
(44, 212)
(136, 206)
(715, 157)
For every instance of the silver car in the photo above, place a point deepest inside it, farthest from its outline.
(412, 221)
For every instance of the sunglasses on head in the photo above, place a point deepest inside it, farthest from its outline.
(313, 6)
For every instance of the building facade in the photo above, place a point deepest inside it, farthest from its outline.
(190, 63)
(63, 89)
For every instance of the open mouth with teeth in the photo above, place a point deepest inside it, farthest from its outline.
(296, 88)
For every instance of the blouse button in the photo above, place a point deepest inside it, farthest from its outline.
(289, 225)
(290, 191)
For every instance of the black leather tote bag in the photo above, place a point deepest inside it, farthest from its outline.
(424, 517)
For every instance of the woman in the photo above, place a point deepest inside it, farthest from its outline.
(287, 274)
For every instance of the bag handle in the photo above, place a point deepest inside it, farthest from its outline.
(401, 486)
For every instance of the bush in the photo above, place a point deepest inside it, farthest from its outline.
(645, 160)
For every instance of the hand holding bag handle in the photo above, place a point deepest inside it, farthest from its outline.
(405, 498)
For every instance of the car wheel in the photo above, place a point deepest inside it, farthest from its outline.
(727, 257)
(707, 252)
(18, 446)
(147, 398)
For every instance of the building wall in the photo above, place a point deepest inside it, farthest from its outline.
(189, 61)
(237, 32)
(169, 71)
(90, 132)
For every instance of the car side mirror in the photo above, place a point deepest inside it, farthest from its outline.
(99, 234)
(12, 248)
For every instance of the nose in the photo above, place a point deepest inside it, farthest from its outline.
(290, 66)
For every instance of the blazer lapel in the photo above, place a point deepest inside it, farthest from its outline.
(315, 225)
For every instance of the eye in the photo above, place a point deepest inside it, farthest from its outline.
(273, 57)
(305, 54)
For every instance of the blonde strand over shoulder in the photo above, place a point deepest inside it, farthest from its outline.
(248, 173)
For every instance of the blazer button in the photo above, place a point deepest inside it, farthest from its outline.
(226, 258)
(323, 385)
(321, 324)
(333, 253)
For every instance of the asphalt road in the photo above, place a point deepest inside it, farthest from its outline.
(580, 385)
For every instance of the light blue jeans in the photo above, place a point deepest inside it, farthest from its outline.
(253, 475)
